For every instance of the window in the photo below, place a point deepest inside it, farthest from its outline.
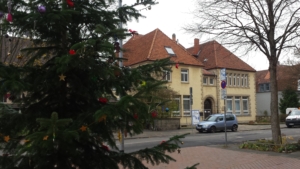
(233, 79)
(211, 81)
(167, 76)
(176, 103)
(169, 50)
(238, 80)
(229, 105)
(245, 105)
(229, 80)
(246, 81)
(242, 80)
(237, 105)
(186, 106)
(184, 75)
(264, 87)
(204, 80)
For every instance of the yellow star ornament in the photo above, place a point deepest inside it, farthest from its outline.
(62, 77)
(45, 137)
(83, 128)
(6, 138)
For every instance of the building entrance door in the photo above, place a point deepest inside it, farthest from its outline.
(207, 108)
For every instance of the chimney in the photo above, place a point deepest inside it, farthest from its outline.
(173, 37)
(196, 46)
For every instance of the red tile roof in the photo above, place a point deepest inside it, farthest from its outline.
(150, 47)
(287, 76)
(214, 55)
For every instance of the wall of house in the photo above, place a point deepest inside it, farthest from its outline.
(218, 104)
(263, 101)
(183, 88)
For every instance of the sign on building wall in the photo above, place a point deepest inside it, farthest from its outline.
(195, 117)
(299, 85)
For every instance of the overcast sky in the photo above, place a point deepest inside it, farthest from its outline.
(171, 15)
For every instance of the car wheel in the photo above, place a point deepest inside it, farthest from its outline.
(289, 126)
(234, 128)
(212, 129)
(200, 131)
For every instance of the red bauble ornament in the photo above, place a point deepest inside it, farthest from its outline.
(154, 114)
(103, 100)
(177, 65)
(104, 147)
(70, 3)
(162, 142)
(72, 52)
(9, 17)
(135, 116)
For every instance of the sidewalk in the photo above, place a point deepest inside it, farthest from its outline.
(220, 157)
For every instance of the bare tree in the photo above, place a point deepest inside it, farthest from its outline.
(270, 26)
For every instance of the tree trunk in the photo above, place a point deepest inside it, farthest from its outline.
(276, 133)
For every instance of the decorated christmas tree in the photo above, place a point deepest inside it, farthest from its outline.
(61, 68)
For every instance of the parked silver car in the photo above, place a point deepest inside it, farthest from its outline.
(293, 118)
(216, 122)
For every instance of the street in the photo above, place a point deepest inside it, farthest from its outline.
(204, 139)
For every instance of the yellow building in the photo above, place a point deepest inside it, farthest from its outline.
(199, 69)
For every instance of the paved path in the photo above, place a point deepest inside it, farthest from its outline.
(229, 158)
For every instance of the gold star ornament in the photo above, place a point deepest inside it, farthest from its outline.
(62, 77)
(45, 137)
(83, 128)
(6, 138)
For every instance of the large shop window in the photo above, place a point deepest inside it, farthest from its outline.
(238, 105)
(186, 106)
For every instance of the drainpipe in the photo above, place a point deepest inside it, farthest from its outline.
(216, 76)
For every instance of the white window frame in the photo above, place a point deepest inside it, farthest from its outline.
(229, 80)
(242, 80)
(246, 80)
(186, 112)
(234, 79)
(213, 81)
(184, 75)
(245, 99)
(228, 100)
(167, 75)
(237, 99)
(204, 80)
(169, 50)
(238, 80)
(176, 113)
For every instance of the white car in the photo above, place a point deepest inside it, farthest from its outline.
(293, 118)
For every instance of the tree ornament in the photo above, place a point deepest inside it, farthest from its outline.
(45, 137)
(62, 77)
(19, 57)
(41, 9)
(143, 83)
(6, 138)
(72, 52)
(162, 142)
(103, 100)
(83, 128)
(9, 17)
(178, 151)
(154, 114)
(102, 118)
(177, 65)
(167, 109)
(135, 116)
(1, 14)
(117, 46)
(70, 3)
(104, 147)
(133, 32)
